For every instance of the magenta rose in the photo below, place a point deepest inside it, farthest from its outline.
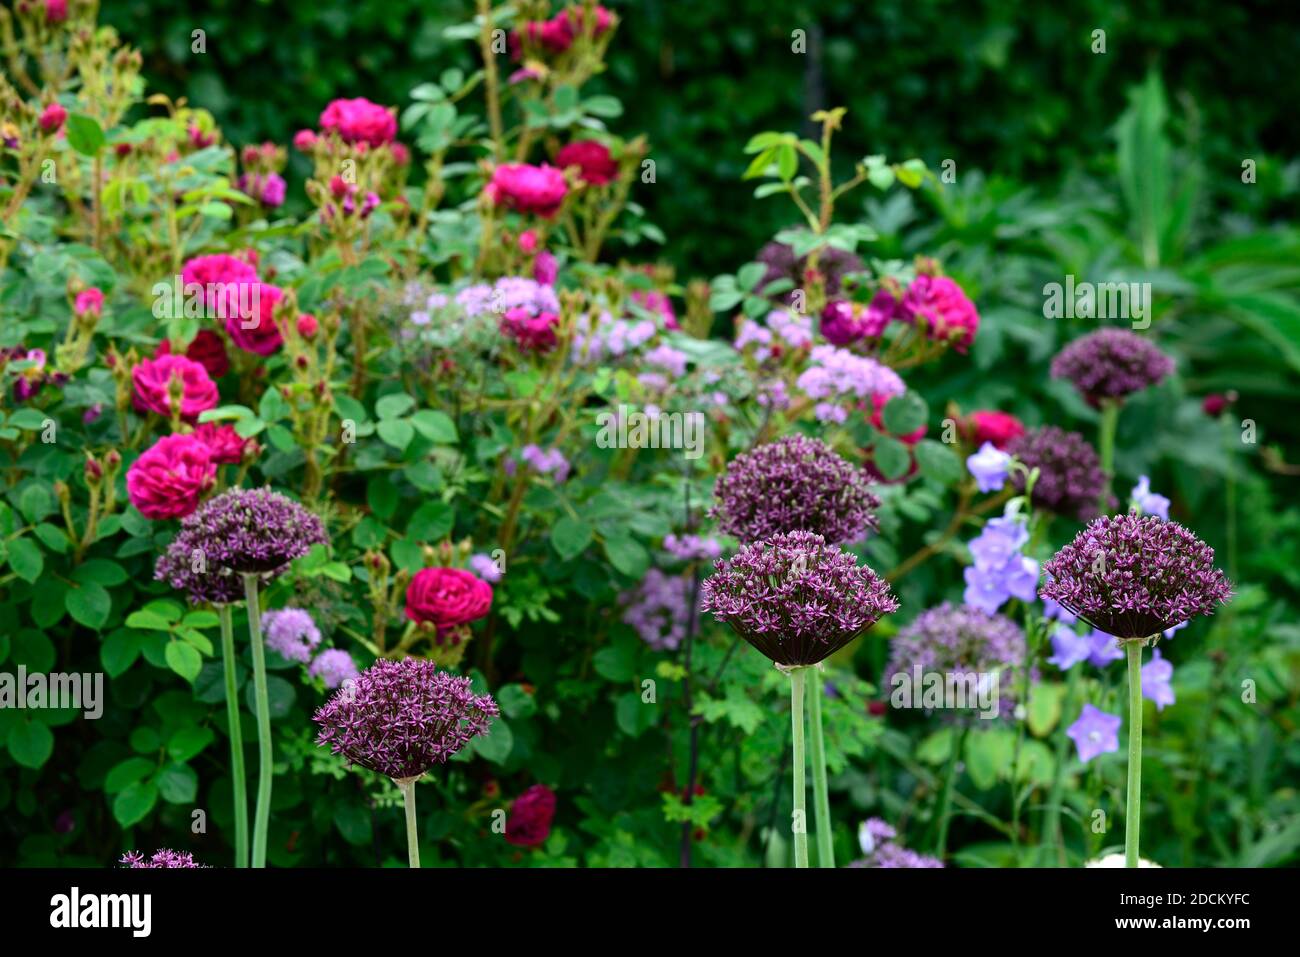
(447, 597)
(51, 118)
(595, 164)
(168, 480)
(89, 302)
(152, 380)
(531, 814)
(220, 277)
(254, 330)
(360, 121)
(948, 314)
(527, 188)
(225, 445)
(533, 333)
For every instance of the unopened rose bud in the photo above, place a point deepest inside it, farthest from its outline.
(93, 471)
(112, 460)
(308, 326)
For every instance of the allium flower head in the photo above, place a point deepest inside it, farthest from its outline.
(291, 633)
(795, 483)
(333, 666)
(1134, 576)
(400, 718)
(958, 639)
(1111, 364)
(796, 598)
(249, 530)
(1070, 476)
(163, 858)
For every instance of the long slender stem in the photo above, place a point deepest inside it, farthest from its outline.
(800, 816)
(1052, 836)
(407, 787)
(1106, 446)
(1133, 806)
(945, 796)
(236, 734)
(262, 818)
(821, 795)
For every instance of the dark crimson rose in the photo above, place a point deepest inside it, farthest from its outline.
(593, 160)
(447, 597)
(996, 427)
(531, 814)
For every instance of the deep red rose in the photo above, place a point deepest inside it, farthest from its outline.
(595, 164)
(225, 445)
(531, 814)
(256, 331)
(447, 597)
(208, 349)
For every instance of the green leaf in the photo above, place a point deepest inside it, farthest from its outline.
(570, 537)
(178, 784)
(84, 134)
(606, 107)
(988, 756)
(134, 803)
(627, 555)
(392, 406)
(1045, 705)
(431, 522)
(148, 620)
(184, 659)
(891, 457)
(396, 432)
(89, 605)
(633, 715)
(904, 414)
(496, 745)
(26, 559)
(938, 461)
(435, 426)
(749, 276)
(126, 773)
(119, 651)
(31, 743)
(101, 572)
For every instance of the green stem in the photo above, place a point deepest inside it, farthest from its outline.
(800, 816)
(262, 818)
(236, 735)
(821, 795)
(407, 787)
(1106, 447)
(945, 796)
(1133, 806)
(1052, 836)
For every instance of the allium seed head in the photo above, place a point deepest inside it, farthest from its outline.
(1070, 476)
(1111, 364)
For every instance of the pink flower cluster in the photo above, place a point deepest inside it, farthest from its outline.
(539, 190)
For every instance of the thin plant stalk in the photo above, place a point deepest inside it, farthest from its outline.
(821, 795)
(262, 817)
(1106, 446)
(1133, 805)
(800, 816)
(945, 796)
(237, 771)
(1052, 836)
(407, 787)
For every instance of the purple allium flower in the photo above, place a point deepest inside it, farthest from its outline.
(877, 840)
(950, 639)
(892, 855)
(400, 718)
(659, 608)
(508, 292)
(485, 567)
(333, 666)
(795, 483)
(1147, 501)
(1070, 477)
(1133, 576)
(1094, 733)
(1111, 364)
(691, 548)
(1103, 648)
(873, 832)
(833, 264)
(990, 466)
(1156, 677)
(163, 858)
(291, 633)
(1069, 648)
(241, 530)
(796, 598)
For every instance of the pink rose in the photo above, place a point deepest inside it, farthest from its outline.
(56, 11)
(447, 597)
(990, 426)
(254, 330)
(168, 480)
(593, 160)
(304, 140)
(225, 445)
(527, 188)
(531, 814)
(401, 155)
(545, 268)
(360, 121)
(948, 314)
(89, 302)
(52, 117)
(528, 241)
(152, 380)
(308, 326)
(220, 277)
(533, 333)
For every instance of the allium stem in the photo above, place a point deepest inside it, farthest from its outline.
(1052, 836)
(407, 787)
(1106, 447)
(799, 818)
(821, 796)
(262, 818)
(236, 734)
(1133, 806)
(945, 796)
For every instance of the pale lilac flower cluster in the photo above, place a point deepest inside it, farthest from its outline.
(549, 462)
(508, 292)
(673, 361)
(433, 302)
(333, 666)
(659, 609)
(794, 483)
(291, 633)
(1111, 364)
(1134, 576)
(691, 548)
(605, 337)
(400, 718)
(835, 374)
(877, 839)
(1148, 501)
(796, 598)
(958, 639)
(781, 330)
(485, 567)
(1000, 572)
